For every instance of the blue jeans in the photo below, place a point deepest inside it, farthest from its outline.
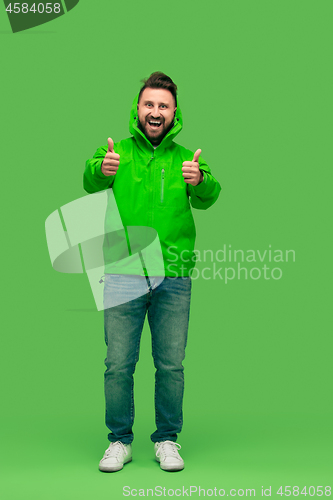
(168, 306)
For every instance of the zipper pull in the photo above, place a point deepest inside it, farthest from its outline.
(152, 157)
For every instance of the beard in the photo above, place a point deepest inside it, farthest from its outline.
(154, 138)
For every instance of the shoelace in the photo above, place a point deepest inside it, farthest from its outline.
(168, 448)
(115, 449)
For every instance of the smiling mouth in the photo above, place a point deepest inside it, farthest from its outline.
(154, 123)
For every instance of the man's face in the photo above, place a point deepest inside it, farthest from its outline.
(156, 111)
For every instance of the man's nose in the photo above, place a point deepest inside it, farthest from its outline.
(156, 112)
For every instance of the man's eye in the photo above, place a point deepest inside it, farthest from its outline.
(163, 106)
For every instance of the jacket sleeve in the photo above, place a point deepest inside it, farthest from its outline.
(205, 194)
(93, 178)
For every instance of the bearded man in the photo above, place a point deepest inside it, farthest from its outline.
(155, 182)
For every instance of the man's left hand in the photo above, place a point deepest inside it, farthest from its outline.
(191, 172)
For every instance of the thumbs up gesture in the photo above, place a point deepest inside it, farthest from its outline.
(111, 160)
(191, 172)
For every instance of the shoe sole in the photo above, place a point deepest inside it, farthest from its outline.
(170, 468)
(105, 468)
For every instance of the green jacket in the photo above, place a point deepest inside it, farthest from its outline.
(149, 189)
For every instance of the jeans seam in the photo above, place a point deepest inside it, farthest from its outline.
(136, 359)
(155, 385)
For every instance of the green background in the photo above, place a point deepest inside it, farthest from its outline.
(255, 86)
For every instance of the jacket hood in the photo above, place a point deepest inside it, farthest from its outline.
(140, 136)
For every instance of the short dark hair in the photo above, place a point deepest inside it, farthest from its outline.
(159, 80)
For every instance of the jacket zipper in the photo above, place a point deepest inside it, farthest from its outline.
(150, 205)
(162, 185)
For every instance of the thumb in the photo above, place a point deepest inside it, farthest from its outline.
(110, 144)
(196, 155)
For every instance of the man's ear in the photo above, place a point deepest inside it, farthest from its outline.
(175, 112)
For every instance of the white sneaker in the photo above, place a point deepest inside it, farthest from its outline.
(115, 457)
(167, 454)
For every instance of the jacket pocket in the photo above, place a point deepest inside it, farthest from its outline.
(162, 185)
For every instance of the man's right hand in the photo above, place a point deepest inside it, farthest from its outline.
(110, 163)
